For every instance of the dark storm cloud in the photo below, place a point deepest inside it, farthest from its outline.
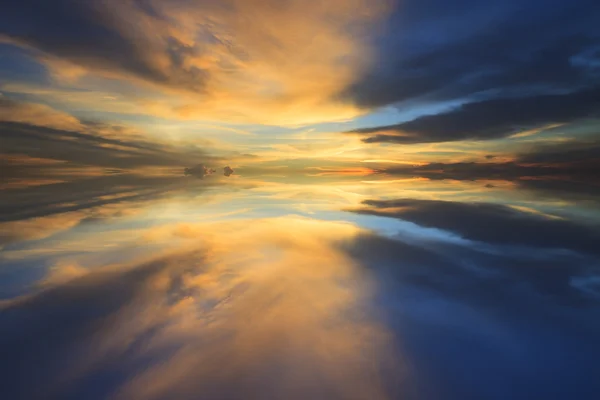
(489, 119)
(435, 50)
(566, 170)
(574, 181)
(89, 34)
(513, 65)
(472, 171)
(491, 223)
(584, 171)
(579, 152)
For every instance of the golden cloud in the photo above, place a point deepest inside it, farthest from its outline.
(37, 114)
(278, 62)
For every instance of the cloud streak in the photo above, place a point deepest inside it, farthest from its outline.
(489, 119)
(41, 144)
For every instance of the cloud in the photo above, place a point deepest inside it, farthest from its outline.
(489, 119)
(564, 169)
(34, 134)
(434, 51)
(248, 60)
(577, 153)
(511, 171)
(564, 172)
(37, 114)
(281, 62)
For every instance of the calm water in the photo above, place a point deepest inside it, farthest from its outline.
(322, 286)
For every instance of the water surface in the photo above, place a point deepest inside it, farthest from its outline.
(322, 286)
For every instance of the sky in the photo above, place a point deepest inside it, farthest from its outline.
(285, 199)
(357, 83)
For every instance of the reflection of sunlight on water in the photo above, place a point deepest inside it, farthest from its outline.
(222, 293)
(244, 309)
(285, 313)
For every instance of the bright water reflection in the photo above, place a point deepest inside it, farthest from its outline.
(322, 287)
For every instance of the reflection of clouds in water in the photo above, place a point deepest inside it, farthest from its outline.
(41, 224)
(38, 212)
(492, 223)
(284, 307)
(286, 315)
(37, 228)
(468, 321)
(99, 193)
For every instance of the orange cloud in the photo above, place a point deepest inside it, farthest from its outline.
(279, 62)
(37, 114)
